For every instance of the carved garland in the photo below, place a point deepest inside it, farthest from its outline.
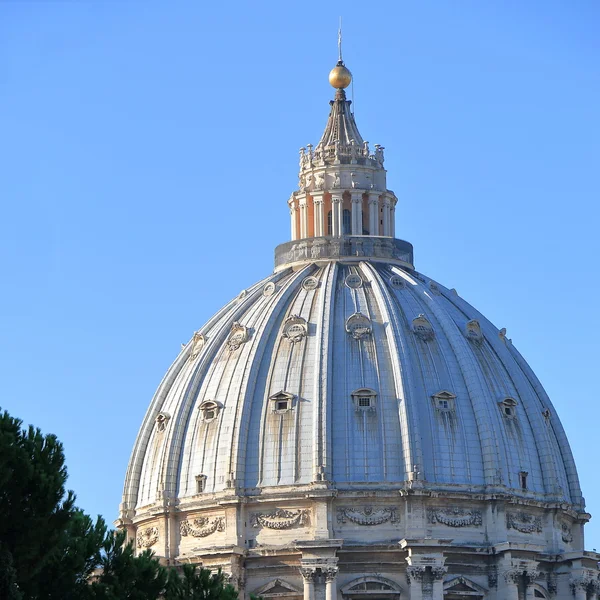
(455, 517)
(367, 515)
(147, 537)
(281, 519)
(524, 522)
(202, 527)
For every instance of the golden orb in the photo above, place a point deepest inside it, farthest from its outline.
(340, 77)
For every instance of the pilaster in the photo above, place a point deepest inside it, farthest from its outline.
(374, 213)
(319, 214)
(356, 213)
(336, 214)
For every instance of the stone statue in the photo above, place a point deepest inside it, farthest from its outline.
(379, 154)
(336, 180)
(320, 183)
(354, 180)
(308, 182)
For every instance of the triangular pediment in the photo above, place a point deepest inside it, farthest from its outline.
(277, 587)
(463, 585)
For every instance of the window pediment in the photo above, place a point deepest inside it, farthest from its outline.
(209, 410)
(364, 399)
(281, 401)
(444, 400)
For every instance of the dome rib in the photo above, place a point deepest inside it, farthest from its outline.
(396, 339)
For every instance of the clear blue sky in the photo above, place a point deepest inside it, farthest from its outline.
(148, 150)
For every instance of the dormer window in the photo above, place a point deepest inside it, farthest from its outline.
(523, 479)
(200, 483)
(209, 410)
(444, 401)
(364, 399)
(281, 402)
(422, 328)
(508, 408)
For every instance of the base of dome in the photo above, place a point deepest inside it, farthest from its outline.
(348, 247)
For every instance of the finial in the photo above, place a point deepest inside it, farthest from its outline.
(340, 77)
(340, 42)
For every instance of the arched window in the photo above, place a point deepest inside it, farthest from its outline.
(368, 588)
(346, 222)
(329, 226)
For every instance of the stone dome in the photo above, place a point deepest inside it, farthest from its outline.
(348, 428)
(359, 373)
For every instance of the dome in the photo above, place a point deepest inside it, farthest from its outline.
(359, 373)
(350, 428)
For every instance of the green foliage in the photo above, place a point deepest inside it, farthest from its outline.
(49, 548)
(198, 584)
(125, 575)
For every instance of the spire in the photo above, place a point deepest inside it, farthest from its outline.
(341, 127)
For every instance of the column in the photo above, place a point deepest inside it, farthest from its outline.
(511, 585)
(319, 215)
(386, 216)
(356, 213)
(530, 577)
(293, 221)
(374, 214)
(330, 583)
(579, 587)
(414, 575)
(438, 574)
(336, 215)
(308, 575)
(303, 218)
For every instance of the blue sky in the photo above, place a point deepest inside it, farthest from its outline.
(148, 150)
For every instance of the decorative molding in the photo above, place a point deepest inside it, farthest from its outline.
(358, 326)
(295, 328)
(310, 283)
(353, 281)
(565, 533)
(198, 341)
(330, 573)
(438, 573)
(309, 574)
(579, 583)
(552, 583)
(397, 282)
(435, 288)
(473, 331)
(455, 517)
(209, 410)
(281, 519)
(523, 522)
(269, 289)
(147, 537)
(367, 515)
(492, 575)
(162, 419)
(238, 336)
(202, 527)
(415, 574)
(422, 328)
(512, 576)
(531, 575)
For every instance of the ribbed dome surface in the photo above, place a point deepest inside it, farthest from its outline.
(259, 399)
